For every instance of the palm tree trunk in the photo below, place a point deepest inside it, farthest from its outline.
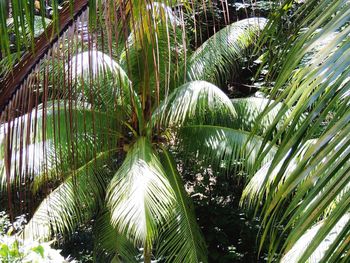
(147, 252)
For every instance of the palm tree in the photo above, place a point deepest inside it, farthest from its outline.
(303, 193)
(304, 189)
(95, 136)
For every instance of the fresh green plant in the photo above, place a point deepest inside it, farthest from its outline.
(303, 193)
(14, 248)
(109, 145)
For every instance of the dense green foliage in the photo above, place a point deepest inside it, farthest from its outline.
(15, 249)
(145, 142)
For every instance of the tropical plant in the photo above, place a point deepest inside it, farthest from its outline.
(15, 249)
(96, 142)
(303, 193)
(68, 134)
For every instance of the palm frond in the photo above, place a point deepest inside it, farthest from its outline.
(302, 192)
(260, 184)
(16, 47)
(51, 143)
(224, 147)
(92, 63)
(338, 233)
(39, 25)
(73, 202)
(140, 196)
(25, 22)
(250, 114)
(195, 102)
(101, 81)
(323, 196)
(181, 240)
(153, 62)
(222, 54)
(109, 243)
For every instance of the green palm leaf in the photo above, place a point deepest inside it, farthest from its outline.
(109, 243)
(152, 56)
(181, 240)
(51, 145)
(93, 63)
(251, 114)
(195, 102)
(302, 192)
(338, 233)
(260, 184)
(73, 202)
(101, 82)
(222, 54)
(224, 147)
(140, 196)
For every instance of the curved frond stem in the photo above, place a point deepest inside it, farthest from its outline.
(195, 102)
(181, 240)
(140, 196)
(73, 202)
(223, 53)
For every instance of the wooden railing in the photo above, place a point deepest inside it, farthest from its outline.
(12, 81)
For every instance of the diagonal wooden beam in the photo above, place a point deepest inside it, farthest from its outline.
(12, 81)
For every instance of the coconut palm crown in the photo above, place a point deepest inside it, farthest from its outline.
(98, 134)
